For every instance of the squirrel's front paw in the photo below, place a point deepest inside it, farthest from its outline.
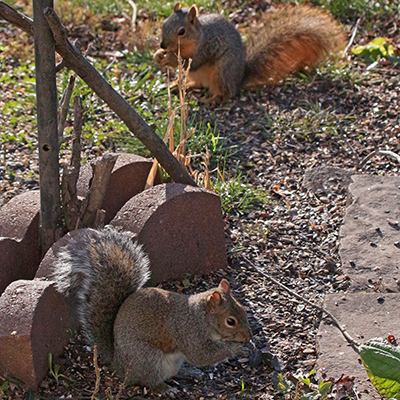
(165, 59)
(240, 350)
(159, 55)
(166, 390)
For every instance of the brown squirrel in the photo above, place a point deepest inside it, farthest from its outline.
(145, 333)
(287, 40)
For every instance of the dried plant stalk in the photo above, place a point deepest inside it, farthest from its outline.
(97, 371)
(69, 197)
(64, 107)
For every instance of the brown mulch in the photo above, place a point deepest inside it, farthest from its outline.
(294, 237)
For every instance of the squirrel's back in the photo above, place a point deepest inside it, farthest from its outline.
(97, 262)
(219, 37)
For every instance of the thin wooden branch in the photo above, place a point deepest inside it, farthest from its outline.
(335, 321)
(134, 15)
(16, 18)
(353, 35)
(61, 65)
(46, 101)
(102, 168)
(64, 107)
(97, 371)
(378, 151)
(135, 123)
(70, 202)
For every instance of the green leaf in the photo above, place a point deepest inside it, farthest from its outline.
(382, 362)
(186, 283)
(324, 388)
(378, 47)
(283, 384)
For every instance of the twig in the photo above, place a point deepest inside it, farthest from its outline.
(378, 151)
(353, 35)
(14, 17)
(97, 371)
(154, 167)
(64, 107)
(123, 384)
(101, 175)
(346, 335)
(70, 202)
(60, 66)
(134, 15)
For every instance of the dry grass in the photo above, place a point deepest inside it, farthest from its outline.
(202, 178)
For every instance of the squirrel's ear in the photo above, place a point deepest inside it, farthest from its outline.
(224, 286)
(177, 7)
(193, 12)
(213, 301)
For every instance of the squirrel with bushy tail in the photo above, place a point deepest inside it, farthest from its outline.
(287, 40)
(145, 333)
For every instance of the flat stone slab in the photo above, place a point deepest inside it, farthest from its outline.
(33, 323)
(364, 315)
(128, 178)
(180, 227)
(325, 177)
(370, 235)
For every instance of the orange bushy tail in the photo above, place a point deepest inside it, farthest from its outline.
(288, 40)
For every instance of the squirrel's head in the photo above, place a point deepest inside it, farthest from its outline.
(230, 318)
(181, 28)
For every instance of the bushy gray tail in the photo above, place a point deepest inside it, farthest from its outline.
(99, 270)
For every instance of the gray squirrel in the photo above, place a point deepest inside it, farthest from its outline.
(145, 333)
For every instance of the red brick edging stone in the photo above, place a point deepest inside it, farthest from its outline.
(33, 323)
(127, 179)
(181, 229)
(19, 238)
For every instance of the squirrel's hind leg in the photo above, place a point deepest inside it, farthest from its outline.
(146, 365)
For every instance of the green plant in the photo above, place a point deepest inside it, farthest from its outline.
(302, 387)
(378, 47)
(382, 363)
(4, 386)
(54, 369)
(238, 196)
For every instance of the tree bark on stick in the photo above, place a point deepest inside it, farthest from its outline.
(46, 100)
(78, 63)
(101, 175)
(70, 202)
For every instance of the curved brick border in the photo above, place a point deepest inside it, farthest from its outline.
(127, 179)
(34, 322)
(19, 238)
(180, 227)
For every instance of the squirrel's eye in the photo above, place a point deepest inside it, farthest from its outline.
(231, 321)
(181, 32)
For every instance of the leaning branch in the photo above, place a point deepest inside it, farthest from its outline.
(378, 151)
(78, 63)
(14, 17)
(335, 321)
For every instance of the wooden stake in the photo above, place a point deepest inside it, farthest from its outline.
(46, 98)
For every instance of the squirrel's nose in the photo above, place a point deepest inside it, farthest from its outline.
(163, 45)
(249, 336)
